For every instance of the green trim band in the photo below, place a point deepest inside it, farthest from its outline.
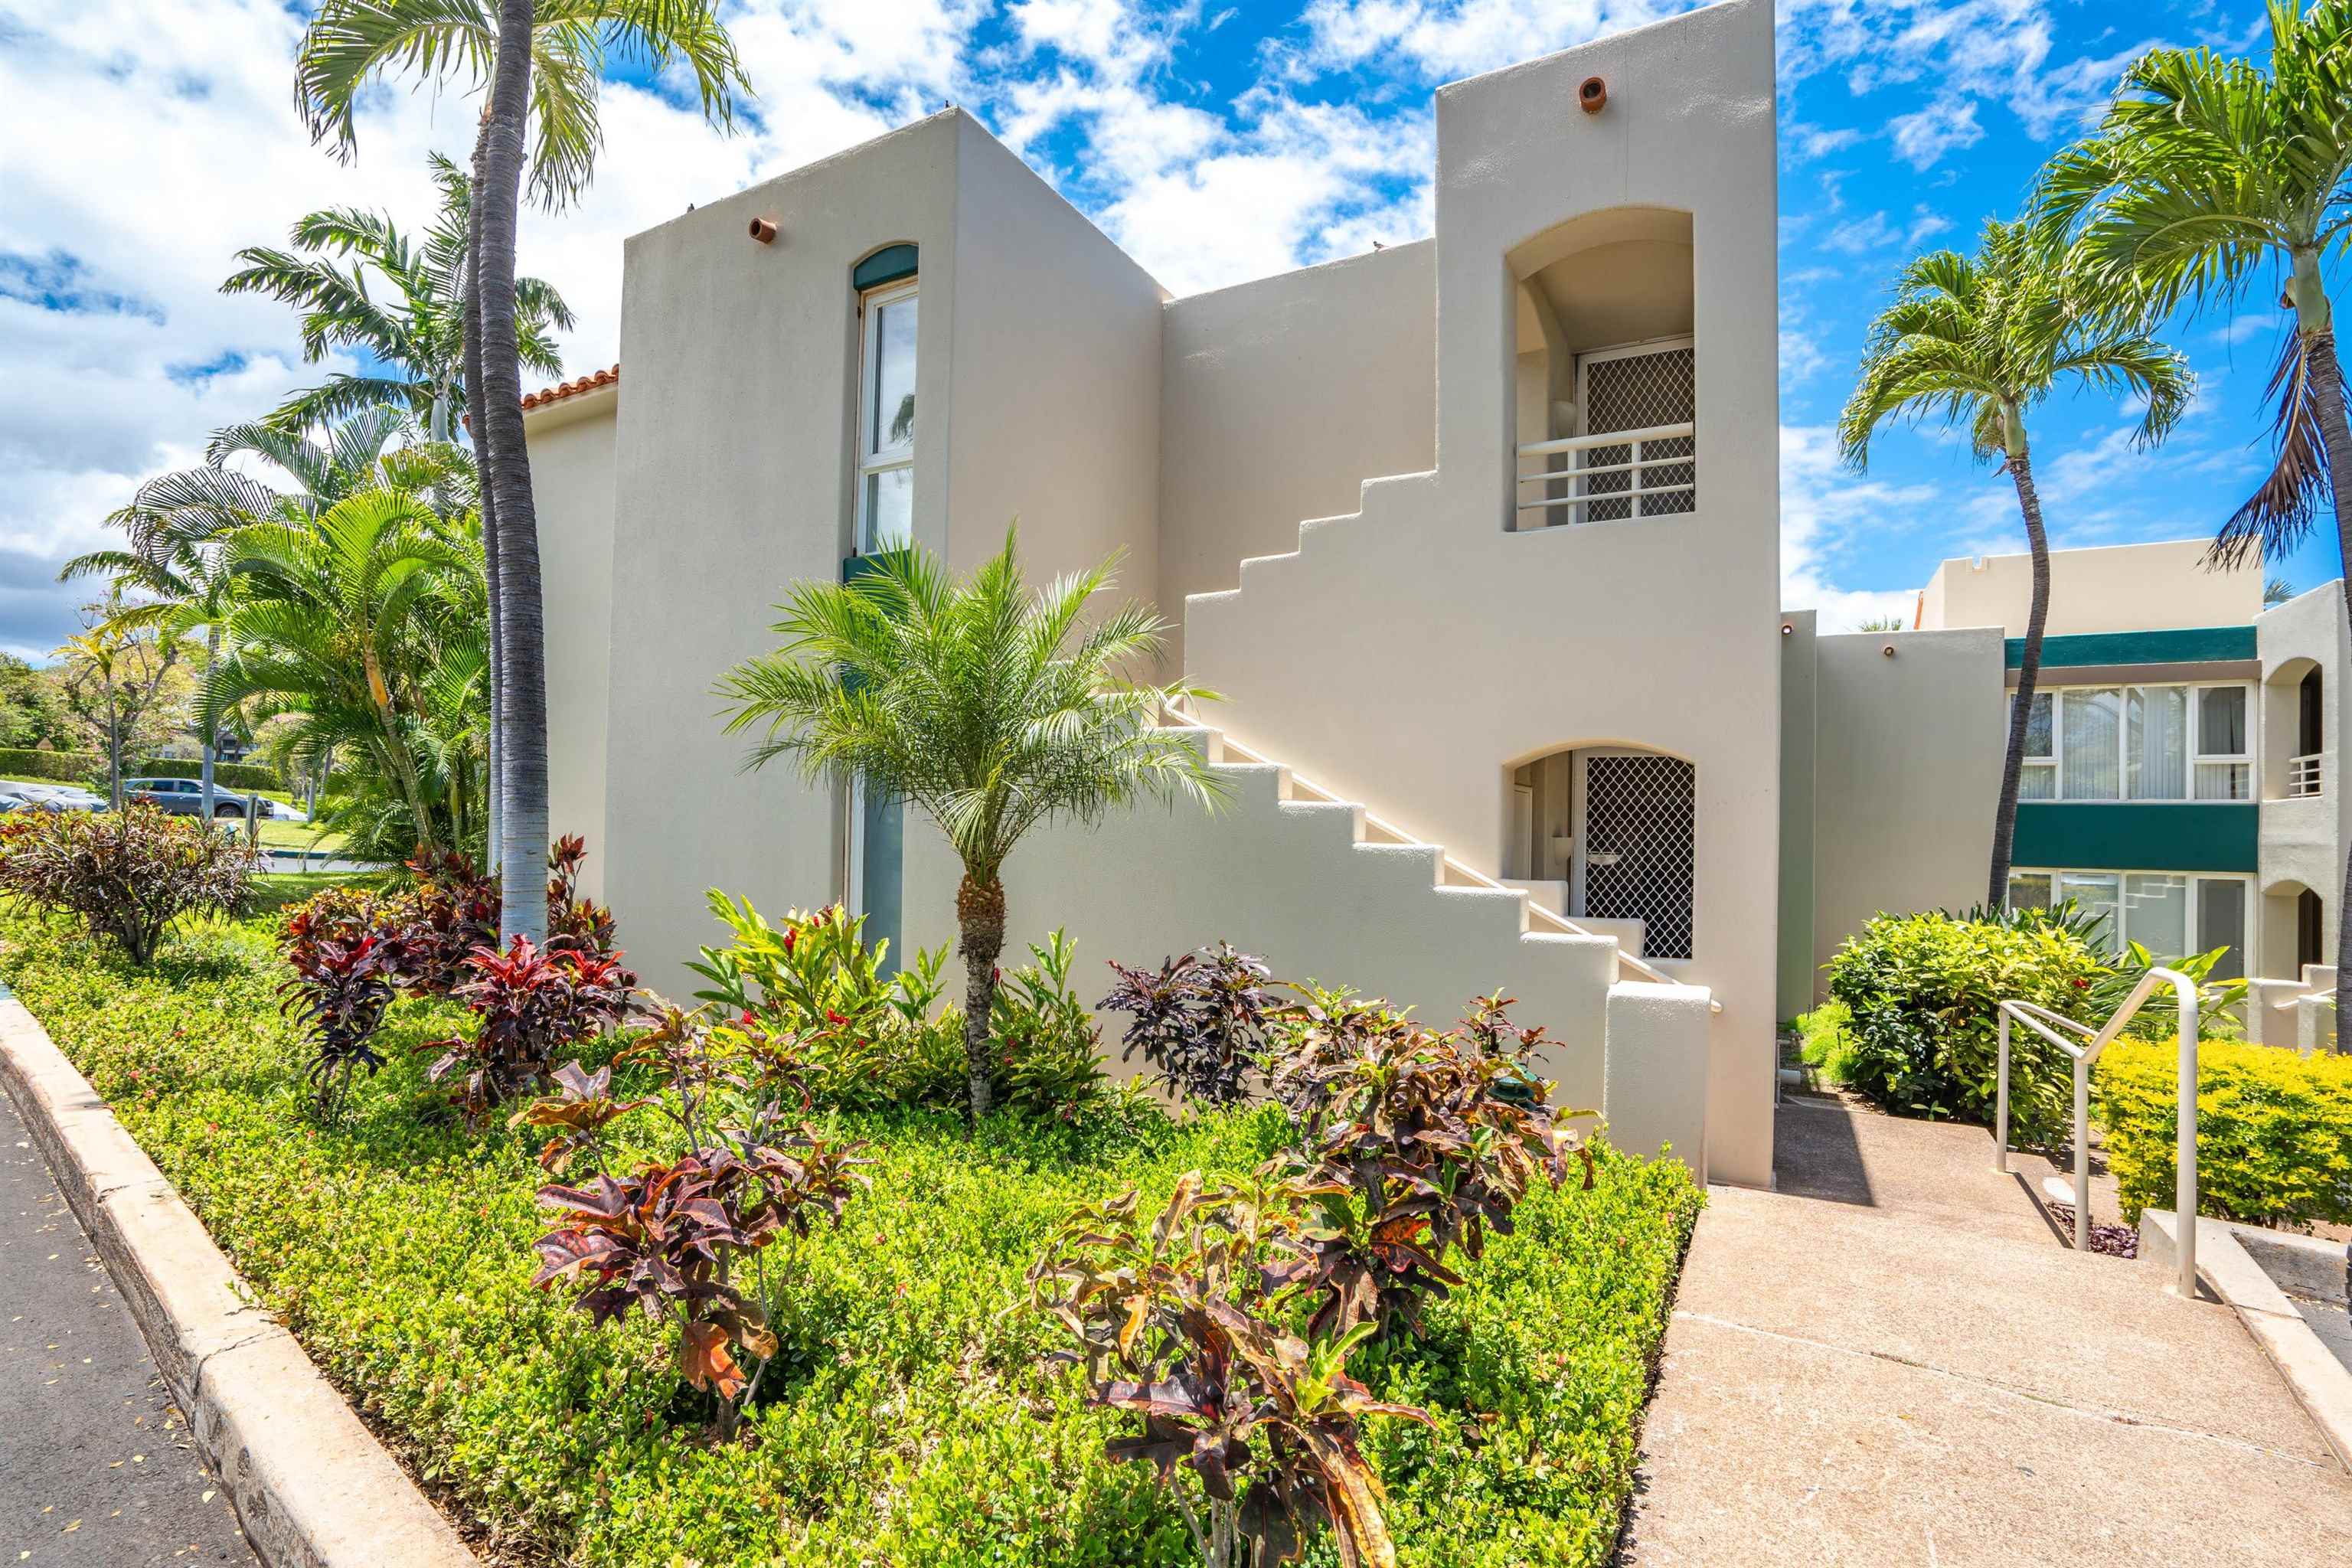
(2139, 836)
(2187, 645)
(887, 265)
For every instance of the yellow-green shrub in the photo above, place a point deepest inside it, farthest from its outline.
(2273, 1129)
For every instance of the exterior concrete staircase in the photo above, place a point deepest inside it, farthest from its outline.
(1401, 857)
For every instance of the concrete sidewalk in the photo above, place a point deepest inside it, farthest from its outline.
(97, 1468)
(1911, 1369)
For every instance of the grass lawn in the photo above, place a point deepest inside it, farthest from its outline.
(910, 1421)
(278, 833)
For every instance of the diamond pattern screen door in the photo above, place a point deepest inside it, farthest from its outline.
(1639, 389)
(1637, 845)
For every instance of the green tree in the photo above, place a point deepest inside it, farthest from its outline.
(174, 523)
(127, 685)
(361, 283)
(1979, 340)
(542, 63)
(992, 707)
(2206, 179)
(367, 627)
(32, 712)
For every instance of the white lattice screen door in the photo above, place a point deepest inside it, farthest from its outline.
(1636, 844)
(1639, 388)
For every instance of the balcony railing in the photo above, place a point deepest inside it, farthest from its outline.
(2302, 775)
(1642, 473)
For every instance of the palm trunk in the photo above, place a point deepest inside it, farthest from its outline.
(522, 674)
(494, 799)
(2029, 672)
(212, 726)
(979, 913)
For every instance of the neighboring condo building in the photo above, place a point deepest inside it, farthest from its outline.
(2180, 778)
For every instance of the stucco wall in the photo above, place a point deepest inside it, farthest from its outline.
(571, 446)
(1907, 774)
(2113, 588)
(1054, 405)
(1798, 658)
(1410, 656)
(732, 480)
(1279, 398)
(2302, 839)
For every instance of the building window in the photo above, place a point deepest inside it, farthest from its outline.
(2172, 914)
(886, 420)
(2138, 742)
(2308, 942)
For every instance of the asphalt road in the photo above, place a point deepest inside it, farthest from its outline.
(97, 1470)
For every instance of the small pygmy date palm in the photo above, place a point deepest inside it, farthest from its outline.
(1979, 339)
(2207, 177)
(989, 705)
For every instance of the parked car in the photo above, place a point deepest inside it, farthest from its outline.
(49, 797)
(185, 798)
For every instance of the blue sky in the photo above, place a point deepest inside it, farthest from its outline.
(141, 143)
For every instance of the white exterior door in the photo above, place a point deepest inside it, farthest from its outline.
(1635, 856)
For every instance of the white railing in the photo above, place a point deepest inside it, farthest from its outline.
(2302, 775)
(2045, 1023)
(1577, 476)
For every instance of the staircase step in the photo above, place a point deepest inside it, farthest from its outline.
(1263, 783)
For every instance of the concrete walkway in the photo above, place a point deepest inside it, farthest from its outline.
(97, 1470)
(1894, 1360)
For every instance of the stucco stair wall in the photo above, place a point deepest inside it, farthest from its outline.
(1312, 885)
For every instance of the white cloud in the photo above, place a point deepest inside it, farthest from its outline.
(1925, 135)
(1825, 509)
(1860, 234)
(1443, 40)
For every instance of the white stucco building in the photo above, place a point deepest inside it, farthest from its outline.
(1427, 517)
(1478, 537)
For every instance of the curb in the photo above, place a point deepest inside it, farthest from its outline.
(2321, 1383)
(313, 1488)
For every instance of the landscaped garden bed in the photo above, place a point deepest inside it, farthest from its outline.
(910, 1414)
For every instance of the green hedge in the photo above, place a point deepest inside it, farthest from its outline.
(1920, 1034)
(82, 767)
(916, 1422)
(2273, 1129)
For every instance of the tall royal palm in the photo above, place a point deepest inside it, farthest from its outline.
(986, 704)
(362, 282)
(1979, 340)
(2207, 178)
(542, 62)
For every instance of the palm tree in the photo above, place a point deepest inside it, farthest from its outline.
(980, 702)
(1979, 339)
(173, 522)
(542, 62)
(366, 626)
(361, 283)
(2206, 178)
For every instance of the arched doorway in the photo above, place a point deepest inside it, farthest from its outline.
(1608, 834)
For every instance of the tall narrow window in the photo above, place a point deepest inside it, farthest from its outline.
(2090, 745)
(2225, 769)
(2155, 742)
(2039, 779)
(886, 421)
(2307, 933)
(2221, 922)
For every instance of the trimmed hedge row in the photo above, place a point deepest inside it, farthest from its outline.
(80, 767)
(2273, 1129)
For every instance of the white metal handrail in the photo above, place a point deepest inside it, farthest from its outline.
(1637, 440)
(2045, 1023)
(2302, 775)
